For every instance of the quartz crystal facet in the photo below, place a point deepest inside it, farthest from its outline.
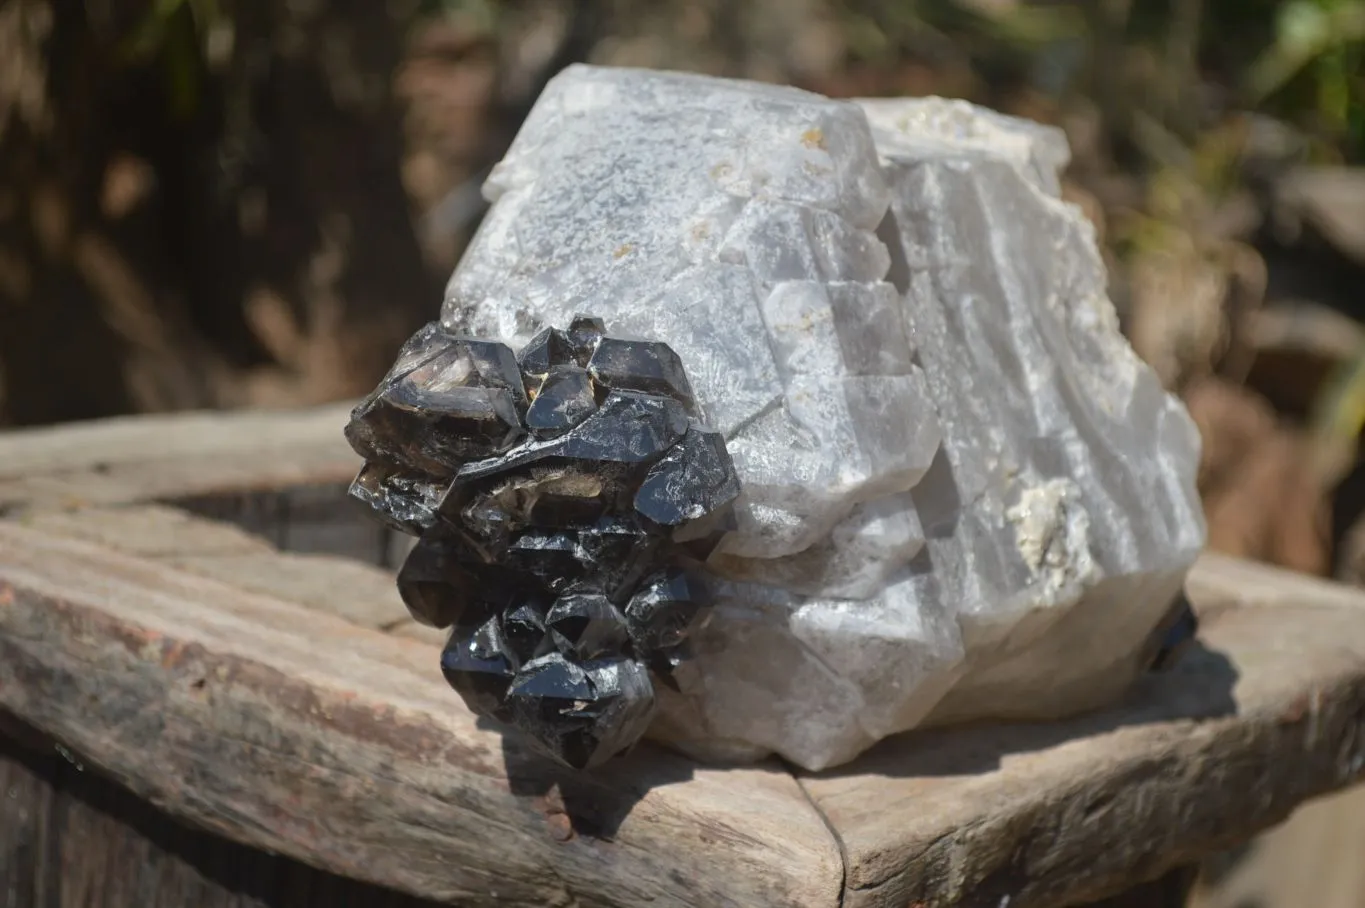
(965, 496)
(564, 499)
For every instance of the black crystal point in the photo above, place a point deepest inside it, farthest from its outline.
(583, 713)
(436, 587)
(563, 400)
(640, 366)
(564, 498)
(694, 479)
(584, 334)
(586, 625)
(447, 400)
(480, 666)
(405, 501)
(665, 610)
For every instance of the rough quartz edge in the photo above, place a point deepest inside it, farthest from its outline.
(977, 655)
(912, 127)
(1057, 614)
(582, 88)
(747, 169)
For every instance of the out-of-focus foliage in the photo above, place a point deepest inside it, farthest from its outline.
(1316, 64)
(1302, 60)
(286, 182)
(178, 35)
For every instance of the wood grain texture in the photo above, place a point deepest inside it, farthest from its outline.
(1171, 890)
(26, 867)
(1268, 713)
(294, 731)
(278, 716)
(363, 594)
(320, 519)
(146, 458)
(71, 839)
(363, 752)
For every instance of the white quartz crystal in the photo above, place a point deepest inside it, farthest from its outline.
(964, 494)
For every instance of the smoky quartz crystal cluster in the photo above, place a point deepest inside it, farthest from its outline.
(564, 498)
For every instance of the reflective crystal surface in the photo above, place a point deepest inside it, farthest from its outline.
(564, 399)
(447, 400)
(405, 501)
(964, 496)
(692, 480)
(640, 366)
(549, 348)
(480, 666)
(584, 713)
(436, 588)
(560, 529)
(586, 625)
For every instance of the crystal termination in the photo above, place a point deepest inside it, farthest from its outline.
(966, 498)
(564, 499)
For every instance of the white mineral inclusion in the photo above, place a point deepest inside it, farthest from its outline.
(964, 494)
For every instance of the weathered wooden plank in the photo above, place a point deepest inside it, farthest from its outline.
(71, 838)
(280, 475)
(1313, 859)
(1042, 815)
(1219, 581)
(360, 593)
(1270, 712)
(294, 731)
(147, 458)
(315, 518)
(26, 872)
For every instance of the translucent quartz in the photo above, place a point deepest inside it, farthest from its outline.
(964, 495)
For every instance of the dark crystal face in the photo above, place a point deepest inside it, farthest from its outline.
(407, 502)
(447, 400)
(694, 479)
(439, 583)
(584, 334)
(564, 399)
(583, 713)
(523, 628)
(547, 349)
(563, 497)
(664, 612)
(480, 666)
(586, 625)
(640, 366)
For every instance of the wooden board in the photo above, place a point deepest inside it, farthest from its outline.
(283, 725)
(147, 458)
(283, 701)
(295, 731)
(70, 839)
(1268, 713)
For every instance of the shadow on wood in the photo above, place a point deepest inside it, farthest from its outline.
(1200, 686)
(586, 804)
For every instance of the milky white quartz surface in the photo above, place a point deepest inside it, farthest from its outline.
(964, 494)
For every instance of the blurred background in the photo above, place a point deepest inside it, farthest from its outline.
(222, 203)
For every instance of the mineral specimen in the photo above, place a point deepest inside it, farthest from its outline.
(560, 498)
(964, 495)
